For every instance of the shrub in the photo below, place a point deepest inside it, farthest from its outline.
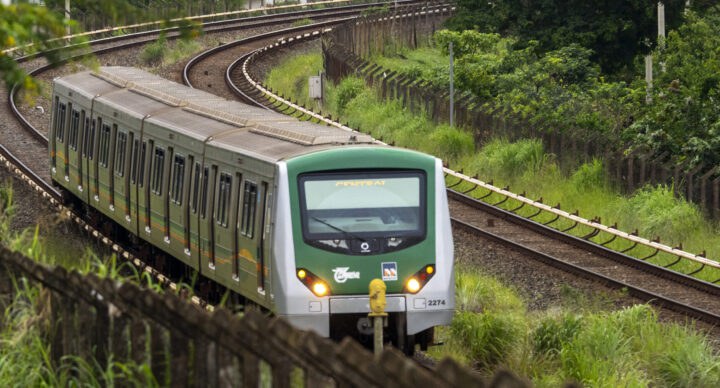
(154, 53)
(589, 176)
(555, 332)
(348, 89)
(662, 213)
(502, 159)
(450, 143)
(488, 337)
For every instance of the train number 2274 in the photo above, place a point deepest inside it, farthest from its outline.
(436, 302)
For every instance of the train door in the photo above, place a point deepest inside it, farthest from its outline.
(72, 167)
(207, 227)
(88, 155)
(120, 166)
(104, 174)
(96, 160)
(59, 154)
(144, 181)
(199, 175)
(177, 216)
(156, 204)
(224, 239)
(80, 154)
(132, 192)
(263, 225)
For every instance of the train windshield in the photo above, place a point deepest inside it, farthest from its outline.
(363, 212)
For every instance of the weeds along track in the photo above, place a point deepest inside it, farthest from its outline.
(23, 130)
(648, 270)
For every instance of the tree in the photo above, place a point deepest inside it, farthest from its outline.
(616, 30)
(32, 29)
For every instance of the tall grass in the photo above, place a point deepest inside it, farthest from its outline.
(24, 350)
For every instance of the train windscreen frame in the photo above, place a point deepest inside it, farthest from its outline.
(363, 212)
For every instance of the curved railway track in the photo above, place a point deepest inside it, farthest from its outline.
(587, 259)
(582, 257)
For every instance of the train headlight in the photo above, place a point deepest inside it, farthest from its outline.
(412, 285)
(313, 282)
(417, 281)
(319, 288)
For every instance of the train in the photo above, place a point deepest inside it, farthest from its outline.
(291, 216)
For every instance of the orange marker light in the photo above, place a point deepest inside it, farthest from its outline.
(429, 269)
(301, 273)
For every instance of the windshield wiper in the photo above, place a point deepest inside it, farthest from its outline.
(344, 232)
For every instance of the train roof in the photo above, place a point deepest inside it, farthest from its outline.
(252, 131)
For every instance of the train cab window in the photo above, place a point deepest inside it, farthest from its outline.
(361, 213)
(120, 151)
(158, 168)
(178, 176)
(104, 148)
(60, 114)
(223, 199)
(247, 225)
(74, 129)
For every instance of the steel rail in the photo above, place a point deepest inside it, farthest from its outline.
(639, 292)
(237, 14)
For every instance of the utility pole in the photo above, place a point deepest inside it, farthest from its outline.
(661, 45)
(452, 87)
(67, 15)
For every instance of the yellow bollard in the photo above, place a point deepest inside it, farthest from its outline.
(377, 312)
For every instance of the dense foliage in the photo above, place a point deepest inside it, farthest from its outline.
(683, 119)
(615, 30)
(34, 29)
(559, 90)
(550, 62)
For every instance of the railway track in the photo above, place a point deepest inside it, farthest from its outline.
(581, 256)
(676, 292)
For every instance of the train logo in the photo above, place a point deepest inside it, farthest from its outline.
(342, 274)
(389, 271)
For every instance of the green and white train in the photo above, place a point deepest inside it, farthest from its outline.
(293, 216)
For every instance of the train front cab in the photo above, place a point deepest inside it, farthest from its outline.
(378, 213)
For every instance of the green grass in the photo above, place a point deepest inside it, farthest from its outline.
(162, 52)
(583, 341)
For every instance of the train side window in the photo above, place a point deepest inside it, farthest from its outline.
(224, 198)
(120, 150)
(91, 140)
(60, 122)
(247, 225)
(86, 137)
(195, 188)
(104, 151)
(158, 168)
(141, 172)
(134, 160)
(204, 192)
(178, 177)
(74, 128)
